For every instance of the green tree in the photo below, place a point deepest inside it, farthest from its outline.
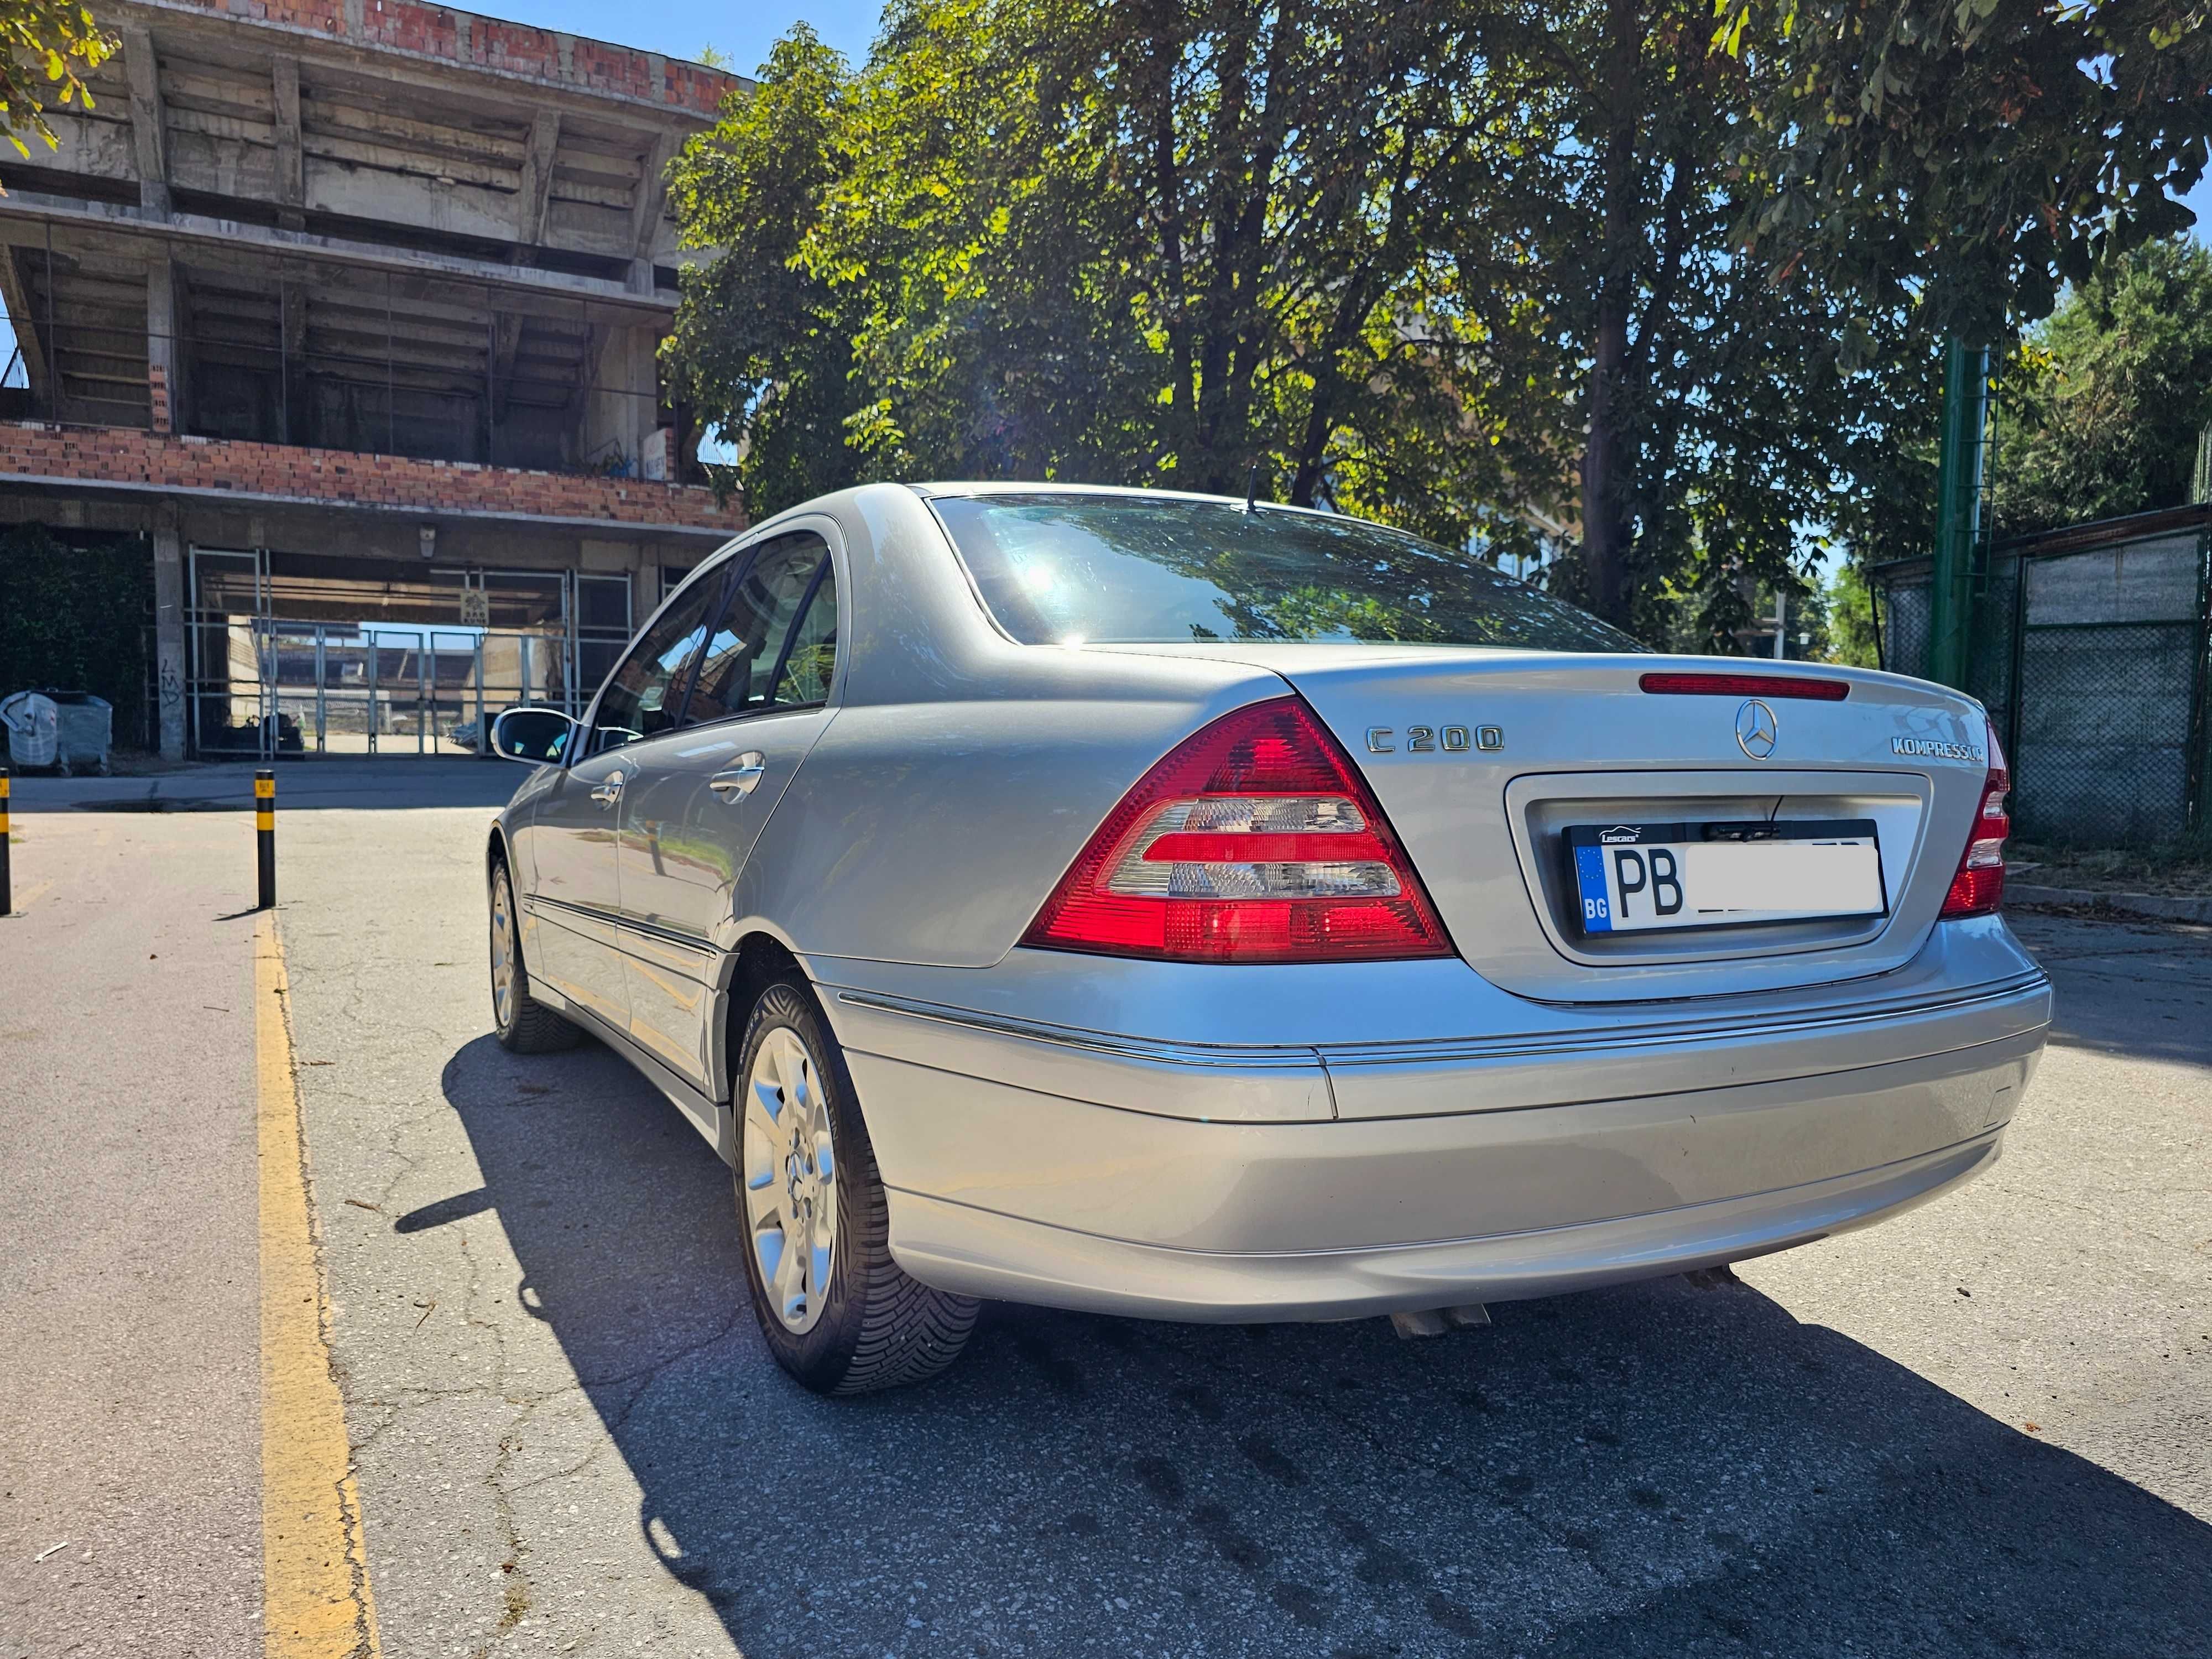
(1160, 242)
(2104, 403)
(47, 48)
(1971, 156)
(1851, 636)
(1712, 417)
(1468, 270)
(762, 344)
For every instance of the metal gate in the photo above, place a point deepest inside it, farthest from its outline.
(2089, 648)
(334, 690)
(265, 685)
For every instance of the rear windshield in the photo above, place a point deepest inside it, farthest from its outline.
(1118, 569)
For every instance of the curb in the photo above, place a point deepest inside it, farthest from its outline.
(2137, 904)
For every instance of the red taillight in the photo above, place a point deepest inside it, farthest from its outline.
(1253, 841)
(1747, 685)
(1979, 887)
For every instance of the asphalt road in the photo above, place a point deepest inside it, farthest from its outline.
(1985, 1427)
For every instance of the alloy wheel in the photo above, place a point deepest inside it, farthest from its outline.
(789, 1177)
(503, 951)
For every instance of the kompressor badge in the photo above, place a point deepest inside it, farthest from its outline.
(1936, 749)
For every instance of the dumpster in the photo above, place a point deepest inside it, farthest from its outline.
(87, 729)
(33, 727)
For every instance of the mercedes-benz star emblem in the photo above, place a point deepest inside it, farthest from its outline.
(1755, 729)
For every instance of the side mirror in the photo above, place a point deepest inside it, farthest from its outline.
(533, 736)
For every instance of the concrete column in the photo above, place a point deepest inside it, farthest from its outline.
(169, 633)
(149, 134)
(299, 418)
(647, 203)
(164, 350)
(533, 200)
(621, 409)
(291, 176)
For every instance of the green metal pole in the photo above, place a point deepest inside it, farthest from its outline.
(1957, 509)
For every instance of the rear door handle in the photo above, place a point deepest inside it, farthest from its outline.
(610, 791)
(741, 779)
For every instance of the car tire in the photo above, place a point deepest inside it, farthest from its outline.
(861, 1324)
(524, 1024)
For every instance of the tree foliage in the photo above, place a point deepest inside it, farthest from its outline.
(2105, 403)
(44, 48)
(1853, 639)
(1477, 270)
(1711, 418)
(1168, 241)
(1974, 155)
(762, 347)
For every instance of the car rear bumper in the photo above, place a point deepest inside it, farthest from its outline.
(1052, 1173)
(957, 1247)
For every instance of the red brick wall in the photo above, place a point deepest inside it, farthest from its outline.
(494, 44)
(124, 455)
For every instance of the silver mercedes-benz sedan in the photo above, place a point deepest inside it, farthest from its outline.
(1167, 906)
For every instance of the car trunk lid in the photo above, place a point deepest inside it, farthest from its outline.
(1483, 759)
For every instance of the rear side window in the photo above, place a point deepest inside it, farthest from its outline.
(1127, 569)
(776, 639)
(810, 656)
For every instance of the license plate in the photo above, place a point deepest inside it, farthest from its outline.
(1636, 877)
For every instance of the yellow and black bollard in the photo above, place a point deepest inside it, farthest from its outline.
(6, 900)
(265, 834)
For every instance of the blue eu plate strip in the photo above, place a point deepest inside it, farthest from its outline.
(1589, 877)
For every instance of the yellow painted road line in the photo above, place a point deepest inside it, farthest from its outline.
(315, 1595)
(25, 901)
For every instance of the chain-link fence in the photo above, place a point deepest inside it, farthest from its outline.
(2089, 649)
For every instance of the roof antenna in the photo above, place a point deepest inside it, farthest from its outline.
(1251, 485)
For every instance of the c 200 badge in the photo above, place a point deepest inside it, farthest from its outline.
(1436, 740)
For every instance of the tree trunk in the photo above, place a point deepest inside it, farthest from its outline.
(1606, 530)
(1608, 457)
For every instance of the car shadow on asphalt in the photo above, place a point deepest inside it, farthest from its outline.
(1657, 1469)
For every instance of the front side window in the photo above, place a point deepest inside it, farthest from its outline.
(777, 638)
(1133, 569)
(646, 692)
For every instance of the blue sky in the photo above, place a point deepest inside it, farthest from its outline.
(680, 28)
(2201, 199)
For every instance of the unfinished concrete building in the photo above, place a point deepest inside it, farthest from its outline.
(351, 308)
